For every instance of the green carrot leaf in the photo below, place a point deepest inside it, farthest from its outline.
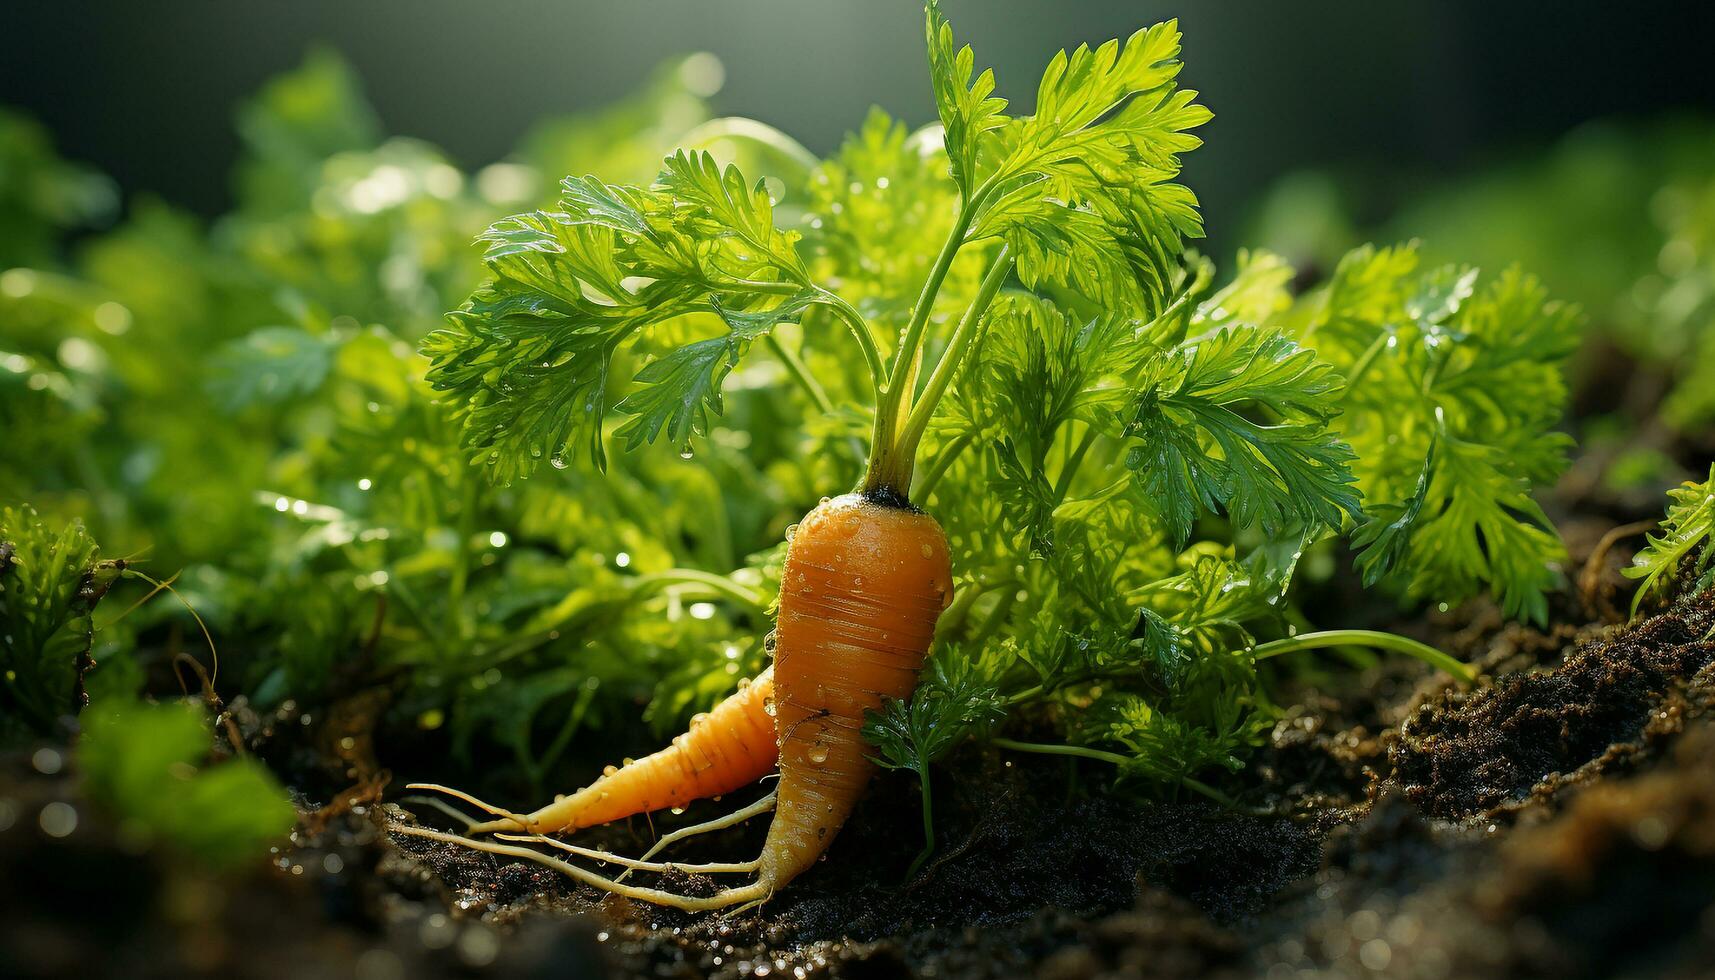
(1196, 450)
(525, 363)
(968, 109)
(1689, 521)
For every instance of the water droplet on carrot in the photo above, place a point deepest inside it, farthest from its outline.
(610, 770)
(768, 707)
(928, 551)
(743, 683)
(699, 718)
(818, 754)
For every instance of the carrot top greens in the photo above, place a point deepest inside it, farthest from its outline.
(1146, 467)
(1689, 522)
(1130, 462)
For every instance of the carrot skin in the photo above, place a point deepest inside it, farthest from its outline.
(864, 583)
(730, 748)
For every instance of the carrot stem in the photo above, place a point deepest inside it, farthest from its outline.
(1114, 758)
(894, 397)
(800, 373)
(859, 328)
(718, 584)
(1463, 672)
(928, 824)
(944, 461)
(1075, 460)
(898, 474)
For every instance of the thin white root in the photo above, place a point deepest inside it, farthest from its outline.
(444, 807)
(523, 822)
(634, 864)
(725, 898)
(753, 903)
(763, 805)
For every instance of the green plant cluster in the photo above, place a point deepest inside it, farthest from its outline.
(1618, 216)
(1133, 456)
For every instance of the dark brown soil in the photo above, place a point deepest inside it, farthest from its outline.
(1470, 754)
(1557, 821)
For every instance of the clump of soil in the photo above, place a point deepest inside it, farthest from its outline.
(1611, 697)
(1624, 880)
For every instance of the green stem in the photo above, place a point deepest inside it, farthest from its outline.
(928, 824)
(1047, 749)
(943, 461)
(995, 619)
(1064, 483)
(1365, 360)
(896, 472)
(860, 332)
(800, 373)
(1212, 793)
(1038, 690)
(1463, 672)
(821, 297)
(1115, 758)
(892, 399)
(751, 131)
(461, 562)
(953, 617)
(718, 584)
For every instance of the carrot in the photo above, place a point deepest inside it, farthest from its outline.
(726, 749)
(865, 579)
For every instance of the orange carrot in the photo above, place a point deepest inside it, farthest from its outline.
(865, 580)
(726, 749)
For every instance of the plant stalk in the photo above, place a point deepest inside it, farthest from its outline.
(1463, 672)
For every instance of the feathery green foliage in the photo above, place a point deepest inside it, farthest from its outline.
(1690, 520)
(49, 585)
(1451, 399)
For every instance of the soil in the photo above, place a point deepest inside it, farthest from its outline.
(1557, 820)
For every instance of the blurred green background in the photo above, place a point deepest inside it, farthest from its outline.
(146, 92)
